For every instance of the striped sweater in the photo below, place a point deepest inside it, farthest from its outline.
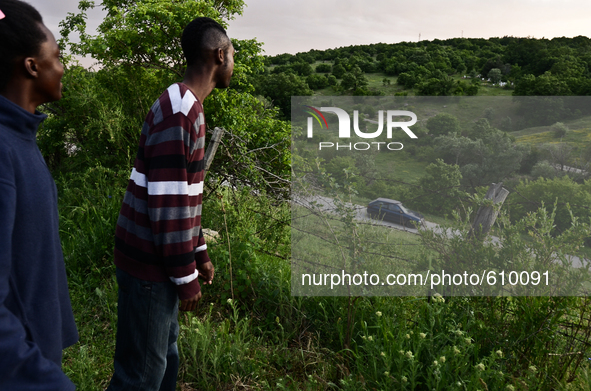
(158, 235)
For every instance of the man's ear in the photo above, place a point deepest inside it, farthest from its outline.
(220, 55)
(30, 64)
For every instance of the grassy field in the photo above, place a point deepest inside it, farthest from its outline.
(578, 136)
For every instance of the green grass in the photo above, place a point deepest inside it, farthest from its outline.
(89, 205)
(266, 339)
(578, 136)
(398, 166)
(327, 243)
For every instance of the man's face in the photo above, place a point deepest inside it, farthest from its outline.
(227, 69)
(48, 85)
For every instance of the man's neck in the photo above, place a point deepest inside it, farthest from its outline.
(20, 97)
(200, 82)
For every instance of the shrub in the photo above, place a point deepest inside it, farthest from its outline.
(442, 124)
(559, 129)
(323, 68)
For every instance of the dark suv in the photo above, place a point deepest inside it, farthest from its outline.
(391, 210)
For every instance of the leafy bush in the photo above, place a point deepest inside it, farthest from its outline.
(544, 169)
(567, 194)
(439, 190)
(559, 129)
(323, 68)
(442, 124)
(317, 82)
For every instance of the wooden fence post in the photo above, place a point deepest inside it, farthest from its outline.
(486, 215)
(212, 148)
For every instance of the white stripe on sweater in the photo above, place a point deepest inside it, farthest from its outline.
(179, 104)
(186, 279)
(166, 187)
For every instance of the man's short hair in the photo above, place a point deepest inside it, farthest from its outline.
(201, 36)
(21, 35)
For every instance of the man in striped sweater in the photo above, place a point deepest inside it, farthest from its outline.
(159, 247)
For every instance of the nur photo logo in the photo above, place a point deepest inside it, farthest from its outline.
(390, 117)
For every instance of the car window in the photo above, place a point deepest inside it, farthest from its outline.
(394, 208)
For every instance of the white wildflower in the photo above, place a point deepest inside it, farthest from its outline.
(437, 298)
(533, 369)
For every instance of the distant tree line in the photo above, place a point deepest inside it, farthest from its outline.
(530, 66)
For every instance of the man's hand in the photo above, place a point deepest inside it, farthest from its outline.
(206, 272)
(190, 304)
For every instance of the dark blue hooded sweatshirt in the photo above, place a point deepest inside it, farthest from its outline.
(36, 320)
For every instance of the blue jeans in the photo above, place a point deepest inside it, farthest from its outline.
(146, 355)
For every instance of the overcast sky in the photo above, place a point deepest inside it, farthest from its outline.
(298, 26)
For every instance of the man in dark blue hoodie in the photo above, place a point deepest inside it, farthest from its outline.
(36, 320)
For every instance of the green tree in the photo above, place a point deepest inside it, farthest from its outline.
(454, 149)
(472, 89)
(317, 82)
(280, 88)
(543, 85)
(332, 80)
(282, 69)
(323, 68)
(495, 75)
(366, 164)
(138, 48)
(568, 66)
(559, 129)
(569, 195)
(483, 161)
(341, 168)
(546, 110)
(544, 169)
(442, 124)
(143, 33)
(354, 80)
(436, 86)
(408, 80)
(338, 70)
(439, 189)
(302, 68)
(480, 129)
(495, 159)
